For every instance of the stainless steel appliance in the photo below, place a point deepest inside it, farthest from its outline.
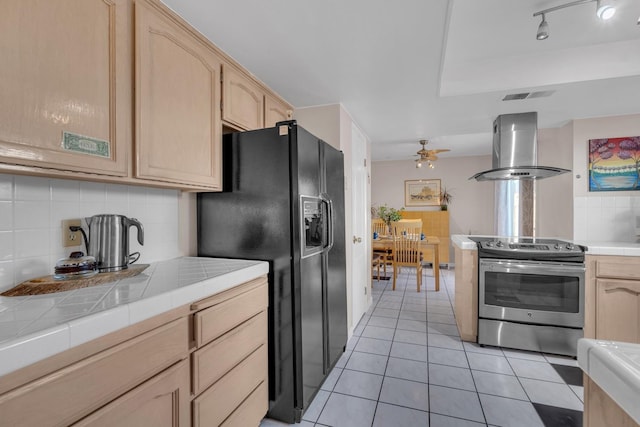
(515, 150)
(108, 241)
(283, 202)
(531, 294)
(515, 172)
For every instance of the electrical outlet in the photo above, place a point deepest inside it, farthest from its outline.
(71, 238)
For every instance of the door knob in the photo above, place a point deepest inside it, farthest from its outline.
(357, 239)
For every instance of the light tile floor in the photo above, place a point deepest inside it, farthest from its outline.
(405, 365)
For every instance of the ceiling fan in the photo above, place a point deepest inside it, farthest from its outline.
(427, 156)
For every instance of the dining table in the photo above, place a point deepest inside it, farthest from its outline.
(385, 243)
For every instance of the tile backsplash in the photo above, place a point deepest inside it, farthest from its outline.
(32, 208)
(605, 218)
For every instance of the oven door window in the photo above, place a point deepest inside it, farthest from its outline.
(558, 294)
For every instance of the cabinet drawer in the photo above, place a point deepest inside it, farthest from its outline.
(252, 410)
(212, 322)
(627, 268)
(161, 401)
(221, 399)
(220, 356)
(79, 389)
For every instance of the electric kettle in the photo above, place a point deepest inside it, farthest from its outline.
(108, 241)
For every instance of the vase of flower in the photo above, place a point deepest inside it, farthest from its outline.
(445, 199)
(389, 215)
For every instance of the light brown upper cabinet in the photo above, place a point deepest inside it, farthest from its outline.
(275, 111)
(178, 132)
(242, 100)
(65, 85)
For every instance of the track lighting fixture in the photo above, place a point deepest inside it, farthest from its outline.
(605, 9)
(543, 29)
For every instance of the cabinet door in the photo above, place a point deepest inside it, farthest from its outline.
(161, 401)
(178, 130)
(275, 111)
(242, 100)
(618, 310)
(65, 84)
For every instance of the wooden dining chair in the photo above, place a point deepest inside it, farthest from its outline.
(406, 248)
(376, 261)
(385, 257)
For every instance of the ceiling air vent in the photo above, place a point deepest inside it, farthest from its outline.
(528, 95)
(541, 94)
(514, 96)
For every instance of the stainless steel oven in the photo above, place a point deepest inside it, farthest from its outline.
(531, 294)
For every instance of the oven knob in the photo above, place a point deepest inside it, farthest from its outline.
(489, 244)
(499, 243)
(570, 247)
(557, 246)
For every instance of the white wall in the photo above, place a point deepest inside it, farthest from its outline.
(602, 216)
(471, 210)
(31, 210)
(554, 201)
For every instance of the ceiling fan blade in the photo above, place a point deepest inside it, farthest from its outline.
(440, 150)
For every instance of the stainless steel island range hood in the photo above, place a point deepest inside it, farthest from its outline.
(515, 150)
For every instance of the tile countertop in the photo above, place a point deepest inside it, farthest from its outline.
(35, 327)
(615, 367)
(593, 248)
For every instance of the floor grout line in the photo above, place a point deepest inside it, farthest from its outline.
(410, 304)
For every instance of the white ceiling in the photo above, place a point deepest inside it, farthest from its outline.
(431, 69)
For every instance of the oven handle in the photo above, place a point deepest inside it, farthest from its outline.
(545, 268)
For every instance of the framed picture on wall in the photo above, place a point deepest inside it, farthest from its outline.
(422, 192)
(614, 164)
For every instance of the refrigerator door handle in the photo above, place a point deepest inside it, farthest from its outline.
(330, 221)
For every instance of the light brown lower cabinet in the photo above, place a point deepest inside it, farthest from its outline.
(65, 396)
(612, 300)
(160, 401)
(230, 365)
(466, 295)
(600, 410)
(156, 373)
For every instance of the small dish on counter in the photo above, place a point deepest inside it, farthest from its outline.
(76, 266)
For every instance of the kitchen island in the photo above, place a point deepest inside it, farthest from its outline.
(612, 382)
(187, 336)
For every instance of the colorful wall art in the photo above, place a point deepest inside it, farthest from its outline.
(614, 164)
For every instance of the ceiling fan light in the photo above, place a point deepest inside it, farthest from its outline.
(431, 165)
(418, 164)
(605, 9)
(543, 29)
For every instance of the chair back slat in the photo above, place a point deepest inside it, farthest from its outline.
(379, 226)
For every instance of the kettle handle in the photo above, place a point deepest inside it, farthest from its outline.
(134, 222)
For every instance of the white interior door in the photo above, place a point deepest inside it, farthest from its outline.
(360, 225)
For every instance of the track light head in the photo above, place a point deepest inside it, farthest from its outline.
(543, 29)
(605, 9)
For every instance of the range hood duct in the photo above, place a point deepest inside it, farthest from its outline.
(515, 150)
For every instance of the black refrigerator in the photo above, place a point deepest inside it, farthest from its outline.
(283, 202)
